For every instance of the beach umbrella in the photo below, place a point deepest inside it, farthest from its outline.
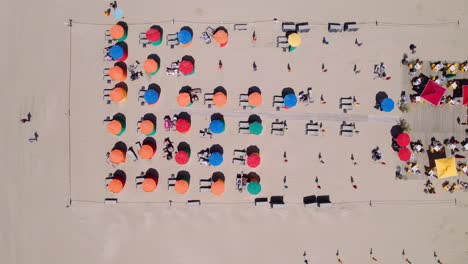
(151, 96)
(118, 13)
(217, 126)
(181, 186)
(117, 156)
(116, 73)
(215, 159)
(184, 36)
(147, 127)
(186, 67)
(149, 184)
(255, 99)
(146, 152)
(183, 125)
(253, 160)
(446, 167)
(294, 40)
(115, 185)
(254, 187)
(387, 105)
(118, 94)
(117, 31)
(465, 94)
(219, 99)
(255, 128)
(290, 100)
(221, 37)
(433, 92)
(116, 52)
(403, 139)
(183, 99)
(115, 127)
(182, 157)
(217, 187)
(150, 66)
(404, 154)
(153, 35)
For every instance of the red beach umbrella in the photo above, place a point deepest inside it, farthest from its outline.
(183, 125)
(186, 67)
(403, 139)
(404, 154)
(182, 157)
(253, 160)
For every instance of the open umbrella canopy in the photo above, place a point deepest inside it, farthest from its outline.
(403, 139)
(116, 73)
(290, 100)
(153, 35)
(186, 67)
(219, 99)
(182, 157)
(118, 94)
(253, 160)
(117, 156)
(433, 93)
(117, 31)
(183, 99)
(217, 126)
(254, 187)
(116, 52)
(217, 187)
(255, 128)
(151, 96)
(404, 154)
(181, 186)
(215, 159)
(465, 94)
(221, 37)
(183, 125)
(147, 127)
(146, 152)
(255, 99)
(118, 13)
(115, 185)
(294, 40)
(150, 66)
(114, 127)
(184, 36)
(149, 184)
(446, 167)
(387, 105)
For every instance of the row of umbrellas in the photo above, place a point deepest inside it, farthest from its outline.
(150, 182)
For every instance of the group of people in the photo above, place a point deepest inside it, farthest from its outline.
(203, 157)
(379, 71)
(168, 149)
(112, 6)
(134, 73)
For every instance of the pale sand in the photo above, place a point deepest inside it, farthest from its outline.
(37, 227)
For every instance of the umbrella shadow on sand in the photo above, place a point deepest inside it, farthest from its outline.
(218, 176)
(183, 146)
(151, 117)
(217, 148)
(252, 149)
(185, 115)
(155, 57)
(183, 175)
(123, 25)
(120, 174)
(220, 89)
(153, 174)
(150, 142)
(185, 89)
(120, 146)
(252, 176)
(254, 89)
(254, 118)
(379, 98)
(217, 116)
(120, 117)
(286, 91)
(122, 85)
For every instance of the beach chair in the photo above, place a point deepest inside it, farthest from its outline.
(131, 154)
(205, 188)
(310, 96)
(283, 45)
(239, 153)
(277, 132)
(350, 27)
(240, 27)
(323, 201)
(208, 99)
(239, 182)
(278, 125)
(238, 161)
(244, 130)
(346, 107)
(334, 27)
(138, 181)
(106, 76)
(277, 202)
(244, 101)
(288, 26)
(312, 129)
(111, 201)
(193, 203)
(106, 96)
(108, 179)
(172, 40)
(244, 104)
(346, 133)
(243, 124)
(143, 41)
(205, 182)
(171, 182)
(261, 201)
(303, 27)
(310, 201)
(107, 37)
(281, 39)
(278, 102)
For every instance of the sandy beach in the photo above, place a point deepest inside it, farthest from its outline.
(61, 91)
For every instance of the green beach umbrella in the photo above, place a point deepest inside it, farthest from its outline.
(254, 188)
(255, 128)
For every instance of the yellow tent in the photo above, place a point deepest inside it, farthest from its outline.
(446, 167)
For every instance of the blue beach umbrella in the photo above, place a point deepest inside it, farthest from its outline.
(184, 36)
(217, 126)
(216, 159)
(118, 13)
(116, 52)
(290, 100)
(151, 96)
(387, 105)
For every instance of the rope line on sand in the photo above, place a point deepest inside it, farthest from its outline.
(275, 20)
(70, 25)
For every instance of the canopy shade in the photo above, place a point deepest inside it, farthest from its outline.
(404, 154)
(146, 152)
(253, 160)
(115, 185)
(216, 159)
(217, 187)
(387, 105)
(151, 96)
(217, 126)
(254, 187)
(255, 128)
(294, 40)
(182, 157)
(183, 125)
(149, 185)
(255, 99)
(446, 167)
(117, 156)
(433, 93)
(403, 139)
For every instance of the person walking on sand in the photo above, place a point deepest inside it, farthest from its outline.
(254, 66)
(357, 43)
(285, 157)
(355, 69)
(322, 99)
(220, 65)
(317, 182)
(289, 68)
(107, 12)
(323, 68)
(325, 41)
(26, 119)
(254, 36)
(352, 159)
(35, 138)
(412, 47)
(352, 182)
(320, 158)
(284, 183)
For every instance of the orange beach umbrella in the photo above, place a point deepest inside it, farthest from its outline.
(117, 31)
(221, 37)
(255, 99)
(146, 127)
(149, 185)
(115, 185)
(219, 99)
(146, 152)
(118, 94)
(114, 127)
(181, 186)
(217, 188)
(150, 66)
(117, 156)
(116, 73)
(183, 99)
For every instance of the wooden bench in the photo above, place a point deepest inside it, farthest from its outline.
(261, 201)
(350, 27)
(288, 26)
(240, 27)
(193, 203)
(334, 27)
(111, 201)
(303, 27)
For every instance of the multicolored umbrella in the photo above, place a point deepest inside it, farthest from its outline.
(255, 99)
(117, 156)
(186, 67)
(115, 185)
(253, 160)
(404, 154)
(403, 139)
(217, 187)
(146, 152)
(219, 99)
(290, 100)
(181, 186)
(387, 105)
(183, 99)
(215, 159)
(151, 96)
(255, 128)
(149, 184)
(294, 40)
(184, 36)
(183, 125)
(254, 188)
(182, 157)
(217, 126)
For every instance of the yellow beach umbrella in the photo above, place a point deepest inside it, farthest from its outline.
(294, 40)
(446, 167)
